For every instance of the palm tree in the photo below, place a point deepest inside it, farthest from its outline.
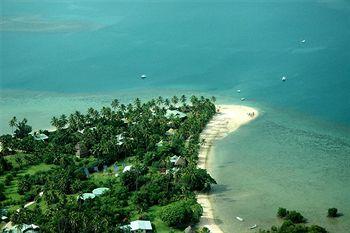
(55, 122)
(13, 123)
(160, 100)
(175, 99)
(193, 100)
(115, 104)
(63, 121)
(167, 102)
(213, 99)
(183, 99)
(138, 103)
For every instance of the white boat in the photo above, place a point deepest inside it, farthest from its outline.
(242, 99)
(253, 227)
(143, 76)
(303, 41)
(239, 219)
(239, 91)
(284, 78)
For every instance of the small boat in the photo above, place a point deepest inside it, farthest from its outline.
(143, 76)
(239, 219)
(284, 78)
(303, 41)
(239, 91)
(253, 227)
(242, 99)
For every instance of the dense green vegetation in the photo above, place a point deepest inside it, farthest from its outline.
(293, 224)
(333, 213)
(87, 151)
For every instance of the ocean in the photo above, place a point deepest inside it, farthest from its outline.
(59, 56)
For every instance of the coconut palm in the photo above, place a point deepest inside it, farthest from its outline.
(115, 104)
(13, 123)
(175, 99)
(63, 121)
(55, 122)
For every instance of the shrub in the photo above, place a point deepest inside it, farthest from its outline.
(333, 212)
(181, 213)
(29, 196)
(295, 217)
(316, 229)
(282, 212)
(8, 179)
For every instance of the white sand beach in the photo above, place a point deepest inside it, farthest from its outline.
(228, 119)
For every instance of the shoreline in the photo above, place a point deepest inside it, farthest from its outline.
(227, 120)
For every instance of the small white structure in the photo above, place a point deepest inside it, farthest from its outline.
(143, 76)
(175, 113)
(242, 99)
(86, 196)
(284, 78)
(170, 132)
(40, 136)
(139, 226)
(120, 139)
(239, 91)
(177, 161)
(303, 41)
(32, 228)
(127, 168)
(160, 143)
(100, 191)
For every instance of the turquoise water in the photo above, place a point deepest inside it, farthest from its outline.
(58, 56)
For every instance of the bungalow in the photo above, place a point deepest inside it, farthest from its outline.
(99, 191)
(170, 132)
(139, 226)
(40, 136)
(178, 160)
(127, 168)
(86, 196)
(24, 228)
(175, 113)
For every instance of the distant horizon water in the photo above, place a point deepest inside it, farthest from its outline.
(58, 57)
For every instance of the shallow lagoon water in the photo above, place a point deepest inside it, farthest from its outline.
(57, 57)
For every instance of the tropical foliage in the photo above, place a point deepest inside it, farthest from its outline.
(90, 150)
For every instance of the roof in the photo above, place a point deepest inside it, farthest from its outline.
(127, 168)
(174, 113)
(174, 158)
(171, 131)
(40, 136)
(140, 225)
(99, 191)
(160, 143)
(22, 228)
(86, 196)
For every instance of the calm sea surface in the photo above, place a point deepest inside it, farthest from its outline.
(59, 56)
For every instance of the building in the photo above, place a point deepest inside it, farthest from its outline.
(175, 113)
(127, 168)
(24, 228)
(100, 191)
(139, 226)
(178, 160)
(40, 136)
(86, 196)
